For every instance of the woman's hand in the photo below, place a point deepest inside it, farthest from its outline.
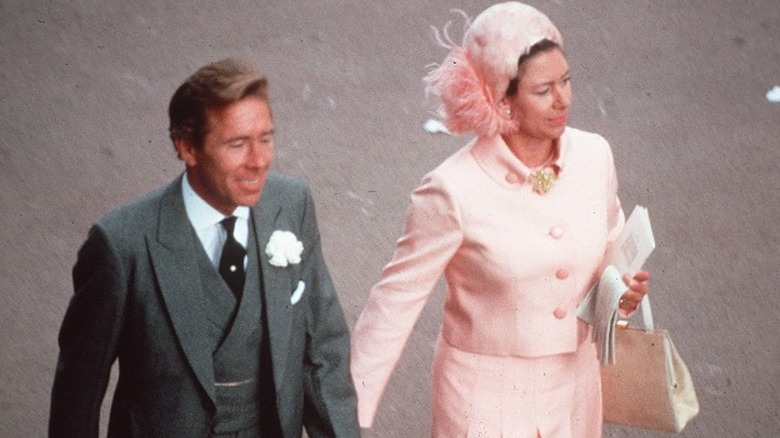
(637, 289)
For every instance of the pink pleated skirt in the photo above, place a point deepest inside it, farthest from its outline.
(499, 397)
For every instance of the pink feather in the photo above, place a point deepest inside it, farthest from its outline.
(466, 103)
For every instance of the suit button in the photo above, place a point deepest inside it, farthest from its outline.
(556, 232)
(560, 313)
(512, 178)
(562, 274)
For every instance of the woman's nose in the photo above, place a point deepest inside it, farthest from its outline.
(563, 98)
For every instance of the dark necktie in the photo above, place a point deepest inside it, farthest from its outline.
(231, 263)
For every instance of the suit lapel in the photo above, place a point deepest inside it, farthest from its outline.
(276, 280)
(172, 253)
(173, 258)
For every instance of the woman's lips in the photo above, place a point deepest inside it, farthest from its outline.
(558, 121)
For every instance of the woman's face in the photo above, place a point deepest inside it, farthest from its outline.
(543, 97)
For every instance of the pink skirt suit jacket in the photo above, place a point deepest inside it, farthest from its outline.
(512, 358)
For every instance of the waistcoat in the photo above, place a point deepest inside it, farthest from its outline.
(235, 334)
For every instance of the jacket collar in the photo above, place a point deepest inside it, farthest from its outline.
(171, 251)
(500, 164)
(276, 281)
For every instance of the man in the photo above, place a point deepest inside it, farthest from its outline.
(212, 292)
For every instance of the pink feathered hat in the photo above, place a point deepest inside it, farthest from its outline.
(474, 77)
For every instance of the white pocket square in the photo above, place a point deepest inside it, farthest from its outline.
(296, 296)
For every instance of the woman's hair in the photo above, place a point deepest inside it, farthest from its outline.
(542, 46)
(214, 86)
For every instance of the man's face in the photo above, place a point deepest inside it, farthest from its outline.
(231, 167)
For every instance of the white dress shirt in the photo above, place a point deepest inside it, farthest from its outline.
(205, 219)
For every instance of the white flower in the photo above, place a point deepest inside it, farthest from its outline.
(284, 248)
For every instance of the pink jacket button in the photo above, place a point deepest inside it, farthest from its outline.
(512, 178)
(556, 232)
(560, 313)
(562, 274)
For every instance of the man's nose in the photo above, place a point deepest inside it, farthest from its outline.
(259, 155)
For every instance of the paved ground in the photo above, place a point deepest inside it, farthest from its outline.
(676, 86)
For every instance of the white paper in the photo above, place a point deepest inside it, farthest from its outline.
(773, 95)
(634, 244)
(433, 126)
(627, 255)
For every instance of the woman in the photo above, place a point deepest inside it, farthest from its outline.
(519, 222)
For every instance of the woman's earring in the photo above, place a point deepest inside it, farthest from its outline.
(505, 108)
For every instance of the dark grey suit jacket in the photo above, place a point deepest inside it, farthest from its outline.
(137, 297)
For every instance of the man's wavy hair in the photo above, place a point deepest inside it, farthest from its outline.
(212, 87)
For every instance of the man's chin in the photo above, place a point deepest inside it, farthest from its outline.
(249, 200)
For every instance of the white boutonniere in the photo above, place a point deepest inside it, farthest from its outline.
(284, 249)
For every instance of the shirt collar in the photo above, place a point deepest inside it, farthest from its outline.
(200, 213)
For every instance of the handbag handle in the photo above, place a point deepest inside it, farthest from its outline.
(647, 314)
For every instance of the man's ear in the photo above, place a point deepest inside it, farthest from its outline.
(186, 151)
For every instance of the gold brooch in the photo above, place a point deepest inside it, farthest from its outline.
(542, 180)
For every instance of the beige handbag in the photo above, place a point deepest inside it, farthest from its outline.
(649, 385)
